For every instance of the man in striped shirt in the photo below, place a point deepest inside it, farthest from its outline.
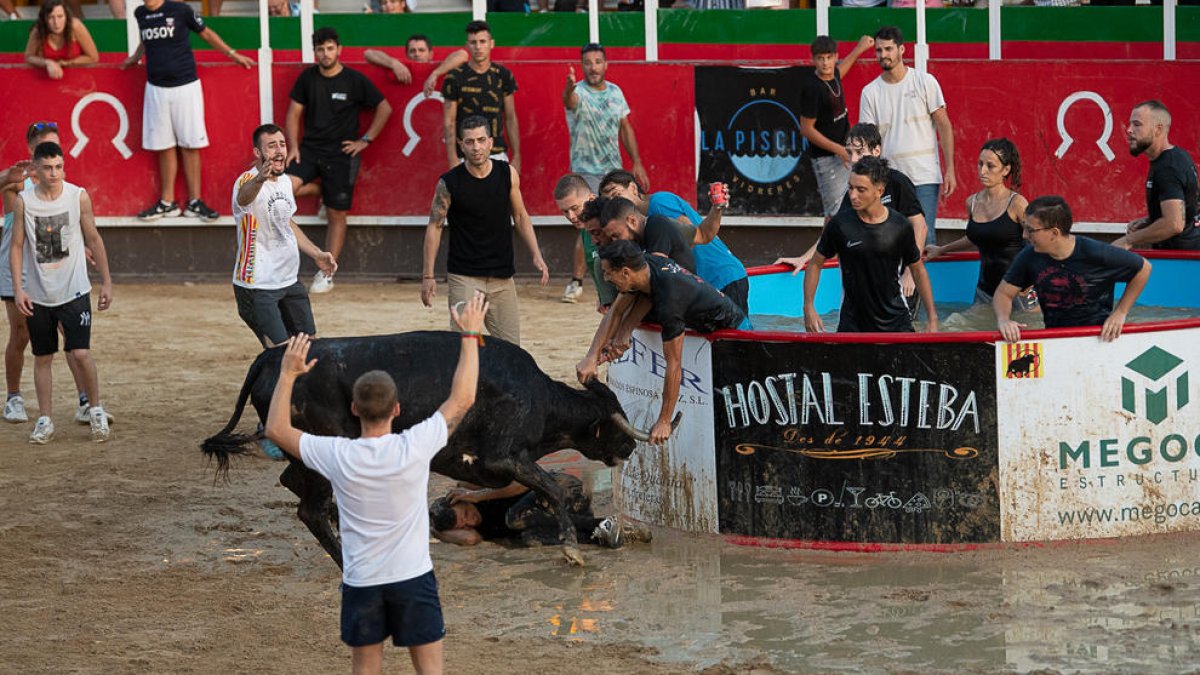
(270, 299)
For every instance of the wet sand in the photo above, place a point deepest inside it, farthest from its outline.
(126, 557)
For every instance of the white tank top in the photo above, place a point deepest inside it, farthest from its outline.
(54, 265)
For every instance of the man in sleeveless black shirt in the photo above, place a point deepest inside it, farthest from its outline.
(874, 245)
(480, 199)
(1172, 192)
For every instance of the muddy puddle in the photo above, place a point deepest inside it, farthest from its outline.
(696, 601)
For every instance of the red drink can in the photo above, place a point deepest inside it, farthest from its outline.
(716, 194)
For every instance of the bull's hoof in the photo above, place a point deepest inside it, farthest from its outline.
(572, 555)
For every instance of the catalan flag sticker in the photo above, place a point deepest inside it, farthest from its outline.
(1023, 360)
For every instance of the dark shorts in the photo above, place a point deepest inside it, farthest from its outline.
(409, 611)
(739, 292)
(337, 171)
(276, 314)
(75, 317)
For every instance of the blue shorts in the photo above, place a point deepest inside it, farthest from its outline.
(409, 611)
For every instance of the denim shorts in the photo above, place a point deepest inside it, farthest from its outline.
(409, 611)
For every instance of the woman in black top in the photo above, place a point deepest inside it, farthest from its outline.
(995, 216)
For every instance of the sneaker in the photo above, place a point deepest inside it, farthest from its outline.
(14, 410)
(83, 416)
(43, 431)
(573, 291)
(322, 283)
(99, 422)
(159, 210)
(198, 209)
(633, 531)
(607, 534)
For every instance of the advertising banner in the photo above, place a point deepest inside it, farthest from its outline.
(813, 445)
(750, 138)
(670, 484)
(1099, 439)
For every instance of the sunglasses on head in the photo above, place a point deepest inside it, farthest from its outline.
(38, 127)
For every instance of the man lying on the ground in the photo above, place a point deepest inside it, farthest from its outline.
(469, 514)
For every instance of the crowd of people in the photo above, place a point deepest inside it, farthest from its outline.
(651, 256)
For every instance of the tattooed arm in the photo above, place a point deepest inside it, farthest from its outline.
(433, 239)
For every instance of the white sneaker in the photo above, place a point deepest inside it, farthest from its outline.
(321, 283)
(82, 416)
(99, 422)
(43, 431)
(573, 291)
(607, 534)
(14, 410)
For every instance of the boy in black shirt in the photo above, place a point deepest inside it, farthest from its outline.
(173, 110)
(874, 245)
(823, 117)
(667, 294)
(1073, 276)
(1172, 193)
(328, 97)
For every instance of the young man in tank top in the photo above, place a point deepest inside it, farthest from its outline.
(53, 221)
(874, 245)
(480, 199)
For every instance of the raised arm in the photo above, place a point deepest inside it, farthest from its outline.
(279, 417)
(569, 98)
(864, 43)
(525, 225)
(466, 375)
(433, 239)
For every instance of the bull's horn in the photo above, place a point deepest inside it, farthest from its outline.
(637, 434)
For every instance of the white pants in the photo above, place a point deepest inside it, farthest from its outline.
(173, 116)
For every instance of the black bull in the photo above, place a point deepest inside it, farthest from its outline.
(520, 415)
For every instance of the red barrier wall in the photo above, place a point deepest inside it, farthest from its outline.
(985, 99)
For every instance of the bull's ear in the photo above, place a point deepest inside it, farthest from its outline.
(597, 427)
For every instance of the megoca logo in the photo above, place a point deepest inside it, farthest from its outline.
(1158, 383)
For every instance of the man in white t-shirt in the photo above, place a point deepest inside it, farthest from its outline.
(910, 111)
(52, 223)
(270, 299)
(380, 481)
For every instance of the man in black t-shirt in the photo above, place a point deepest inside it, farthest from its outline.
(863, 140)
(480, 199)
(823, 117)
(621, 220)
(667, 294)
(328, 98)
(1073, 276)
(173, 108)
(1172, 191)
(874, 245)
(480, 87)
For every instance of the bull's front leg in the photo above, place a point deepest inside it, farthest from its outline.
(317, 509)
(541, 482)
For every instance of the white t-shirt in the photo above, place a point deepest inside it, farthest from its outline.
(53, 264)
(904, 114)
(380, 485)
(268, 256)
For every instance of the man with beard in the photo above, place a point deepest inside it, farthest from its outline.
(910, 111)
(328, 97)
(598, 123)
(480, 199)
(270, 299)
(1172, 195)
(874, 244)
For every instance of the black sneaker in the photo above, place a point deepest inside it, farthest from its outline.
(198, 209)
(159, 210)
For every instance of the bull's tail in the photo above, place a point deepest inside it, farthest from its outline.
(225, 444)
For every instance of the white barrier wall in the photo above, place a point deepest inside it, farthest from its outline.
(1099, 439)
(673, 484)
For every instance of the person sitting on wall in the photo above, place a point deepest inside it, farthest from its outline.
(659, 290)
(1074, 276)
(469, 514)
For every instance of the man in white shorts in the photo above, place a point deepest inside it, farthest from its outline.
(173, 108)
(53, 221)
(270, 299)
